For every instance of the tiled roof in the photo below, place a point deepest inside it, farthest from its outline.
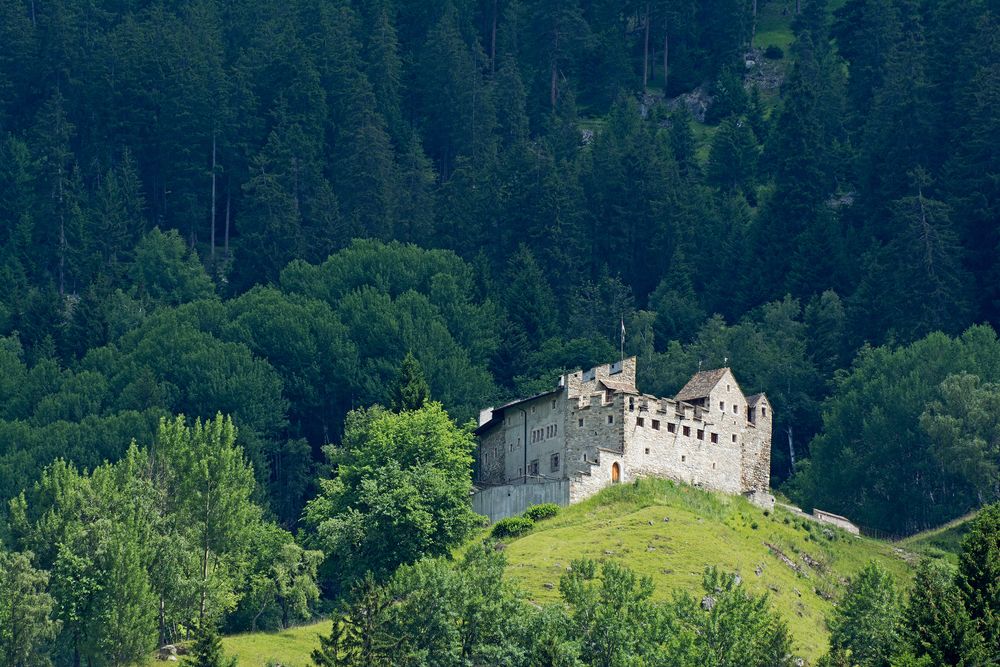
(752, 400)
(701, 384)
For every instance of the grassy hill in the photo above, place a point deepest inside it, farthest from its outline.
(672, 532)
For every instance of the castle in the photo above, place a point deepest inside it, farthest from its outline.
(595, 429)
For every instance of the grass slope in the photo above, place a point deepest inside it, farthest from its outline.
(942, 542)
(671, 532)
(290, 648)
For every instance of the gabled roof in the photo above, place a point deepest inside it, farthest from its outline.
(619, 386)
(701, 384)
(753, 400)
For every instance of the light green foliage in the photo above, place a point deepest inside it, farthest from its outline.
(626, 524)
(867, 623)
(401, 492)
(211, 487)
(26, 626)
(280, 587)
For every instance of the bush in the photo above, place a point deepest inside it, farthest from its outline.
(755, 525)
(774, 52)
(513, 526)
(541, 512)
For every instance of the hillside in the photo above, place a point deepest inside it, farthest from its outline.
(672, 532)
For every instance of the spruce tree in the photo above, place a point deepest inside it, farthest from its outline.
(937, 624)
(411, 391)
(979, 575)
(207, 651)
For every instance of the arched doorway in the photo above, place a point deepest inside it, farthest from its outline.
(616, 473)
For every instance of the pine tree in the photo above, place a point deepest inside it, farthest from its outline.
(411, 391)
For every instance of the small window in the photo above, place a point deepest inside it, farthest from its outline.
(553, 404)
(763, 412)
(713, 465)
(631, 404)
(555, 429)
(520, 471)
(609, 395)
(554, 461)
(701, 434)
(640, 422)
(656, 424)
(687, 431)
(736, 409)
(579, 422)
(533, 467)
(532, 409)
(671, 428)
(512, 446)
(728, 387)
(611, 419)
(647, 450)
(494, 452)
(486, 458)
(683, 458)
(734, 437)
(715, 438)
(722, 405)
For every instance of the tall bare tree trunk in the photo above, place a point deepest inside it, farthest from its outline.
(791, 448)
(666, 59)
(553, 87)
(493, 37)
(228, 201)
(645, 53)
(212, 223)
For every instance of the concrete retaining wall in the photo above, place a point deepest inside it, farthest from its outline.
(500, 502)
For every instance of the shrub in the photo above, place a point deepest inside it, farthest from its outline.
(541, 512)
(755, 525)
(774, 52)
(512, 526)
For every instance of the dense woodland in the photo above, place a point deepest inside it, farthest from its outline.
(260, 209)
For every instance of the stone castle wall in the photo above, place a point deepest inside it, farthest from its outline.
(721, 441)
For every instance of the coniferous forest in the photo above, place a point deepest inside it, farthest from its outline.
(240, 241)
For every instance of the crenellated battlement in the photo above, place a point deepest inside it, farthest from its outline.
(596, 428)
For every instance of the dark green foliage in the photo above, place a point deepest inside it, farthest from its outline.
(937, 625)
(979, 575)
(774, 52)
(541, 512)
(411, 391)
(512, 526)
(207, 650)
